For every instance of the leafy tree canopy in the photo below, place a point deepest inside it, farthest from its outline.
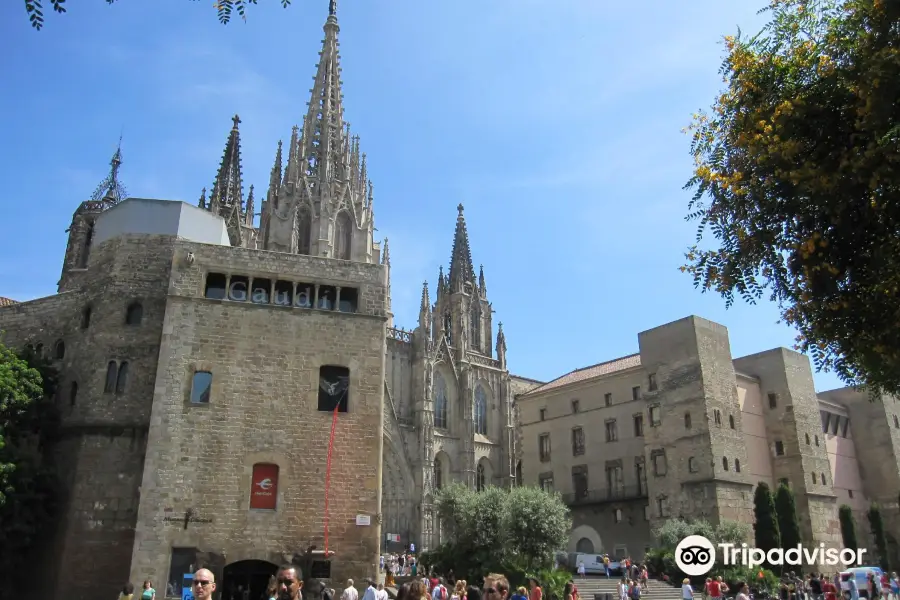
(506, 531)
(674, 530)
(765, 527)
(797, 178)
(788, 520)
(28, 488)
(224, 8)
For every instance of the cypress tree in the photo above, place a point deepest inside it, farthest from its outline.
(765, 528)
(877, 525)
(788, 521)
(848, 527)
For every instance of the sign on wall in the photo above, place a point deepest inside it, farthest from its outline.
(264, 487)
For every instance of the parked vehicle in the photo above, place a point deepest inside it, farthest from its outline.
(861, 574)
(593, 564)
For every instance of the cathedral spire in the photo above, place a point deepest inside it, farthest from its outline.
(228, 190)
(425, 311)
(501, 346)
(275, 179)
(111, 191)
(248, 216)
(461, 269)
(323, 128)
(482, 287)
(386, 254)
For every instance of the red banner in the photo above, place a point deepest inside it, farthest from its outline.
(264, 487)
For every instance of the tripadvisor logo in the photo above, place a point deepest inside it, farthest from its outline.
(695, 556)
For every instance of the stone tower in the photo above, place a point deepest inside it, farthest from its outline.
(81, 232)
(694, 446)
(322, 202)
(458, 403)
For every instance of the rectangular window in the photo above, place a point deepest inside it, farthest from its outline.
(201, 386)
(543, 414)
(654, 416)
(651, 382)
(779, 448)
(181, 571)
(661, 506)
(614, 480)
(334, 388)
(544, 447)
(580, 481)
(636, 392)
(659, 463)
(575, 406)
(546, 482)
(607, 399)
(577, 441)
(639, 425)
(264, 487)
(773, 400)
(349, 304)
(612, 432)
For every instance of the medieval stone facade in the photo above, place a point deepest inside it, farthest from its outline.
(208, 362)
(683, 429)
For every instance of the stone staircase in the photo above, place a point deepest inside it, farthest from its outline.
(599, 584)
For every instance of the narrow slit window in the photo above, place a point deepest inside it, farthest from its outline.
(122, 378)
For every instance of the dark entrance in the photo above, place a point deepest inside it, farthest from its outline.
(247, 580)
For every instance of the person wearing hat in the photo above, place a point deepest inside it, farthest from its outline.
(687, 592)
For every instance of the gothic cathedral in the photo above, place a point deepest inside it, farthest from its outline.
(448, 401)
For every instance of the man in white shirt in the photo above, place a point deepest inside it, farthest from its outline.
(381, 594)
(350, 593)
(371, 592)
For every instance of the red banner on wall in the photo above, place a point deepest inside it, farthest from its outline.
(264, 487)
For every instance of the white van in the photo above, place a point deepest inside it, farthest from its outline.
(861, 575)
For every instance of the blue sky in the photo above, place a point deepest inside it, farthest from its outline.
(557, 123)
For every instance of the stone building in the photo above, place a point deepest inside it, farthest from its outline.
(683, 429)
(206, 357)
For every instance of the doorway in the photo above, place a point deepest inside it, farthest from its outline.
(247, 580)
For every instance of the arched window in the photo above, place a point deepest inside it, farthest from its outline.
(824, 481)
(343, 234)
(73, 393)
(438, 474)
(687, 420)
(807, 439)
(134, 314)
(86, 317)
(122, 378)
(737, 465)
(304, 230)
(112, 371)
(584, 546)
(86, 246)
(59, 351)
(731, 421)
(725, 462)
(480, 411)
(475, 335)
(519, 474)
(440, 401)
(479, 478)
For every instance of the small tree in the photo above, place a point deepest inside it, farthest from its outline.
(767, 534)
(848, 527)
(499, 530)
(876, 523)
(788, 521)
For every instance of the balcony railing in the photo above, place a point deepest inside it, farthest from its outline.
(618, 494)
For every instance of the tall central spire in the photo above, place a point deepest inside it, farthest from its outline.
(322, 144)
(461, 269)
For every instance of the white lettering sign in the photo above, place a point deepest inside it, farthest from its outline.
(304, 298)
(363, 520)
(282, 298)
(260, 296)
(237, 291)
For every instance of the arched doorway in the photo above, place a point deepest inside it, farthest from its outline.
(584, 546)
(247, 580)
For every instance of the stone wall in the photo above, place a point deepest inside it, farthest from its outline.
(103, 433)
(791, 411)
(698, 430)
(264, 361)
